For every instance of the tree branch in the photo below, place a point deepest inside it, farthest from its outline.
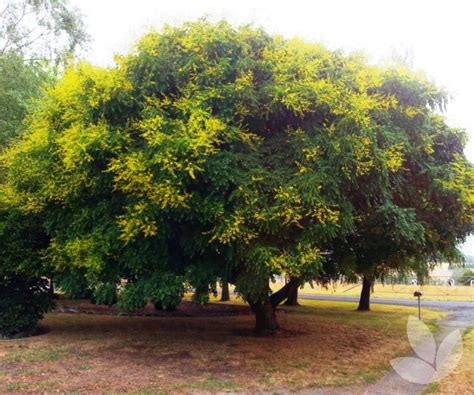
(284, 292)
(4, 10)
(28, 43)
(13, 27)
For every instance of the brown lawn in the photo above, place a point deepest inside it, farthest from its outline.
(321, 344)
(461, 380)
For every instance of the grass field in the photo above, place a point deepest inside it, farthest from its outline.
(321, 344)
(461, 380)
(430, 292)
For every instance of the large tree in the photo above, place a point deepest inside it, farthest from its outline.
(209, 152)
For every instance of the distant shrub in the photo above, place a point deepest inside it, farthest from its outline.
(131, 298)
(165, 291)
(73, 284)
(105, 294)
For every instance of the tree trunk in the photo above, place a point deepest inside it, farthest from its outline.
(292, 297)
(225, 291)
(265, 318)
(364, 302)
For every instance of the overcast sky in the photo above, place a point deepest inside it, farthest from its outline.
(436, 35)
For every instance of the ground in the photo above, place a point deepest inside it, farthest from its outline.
(430, 292)
(321, 344)
(461, 380)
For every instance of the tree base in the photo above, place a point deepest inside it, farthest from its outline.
(265, 319)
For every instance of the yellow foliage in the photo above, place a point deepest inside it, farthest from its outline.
(394, 157)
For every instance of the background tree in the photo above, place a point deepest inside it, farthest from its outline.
(225, 296)
(19, 83)
(40, 29)
(422, 208)
(36, 37)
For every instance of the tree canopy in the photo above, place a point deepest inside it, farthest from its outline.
(421, 212)
(212, 151)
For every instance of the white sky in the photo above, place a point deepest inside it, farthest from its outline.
(438, 35)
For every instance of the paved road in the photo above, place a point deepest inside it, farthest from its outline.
(398, 302)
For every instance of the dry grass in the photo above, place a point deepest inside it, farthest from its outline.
(431, 292)
(461, 381)
(322, 344)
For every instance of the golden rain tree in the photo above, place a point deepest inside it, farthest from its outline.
(208, 152)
